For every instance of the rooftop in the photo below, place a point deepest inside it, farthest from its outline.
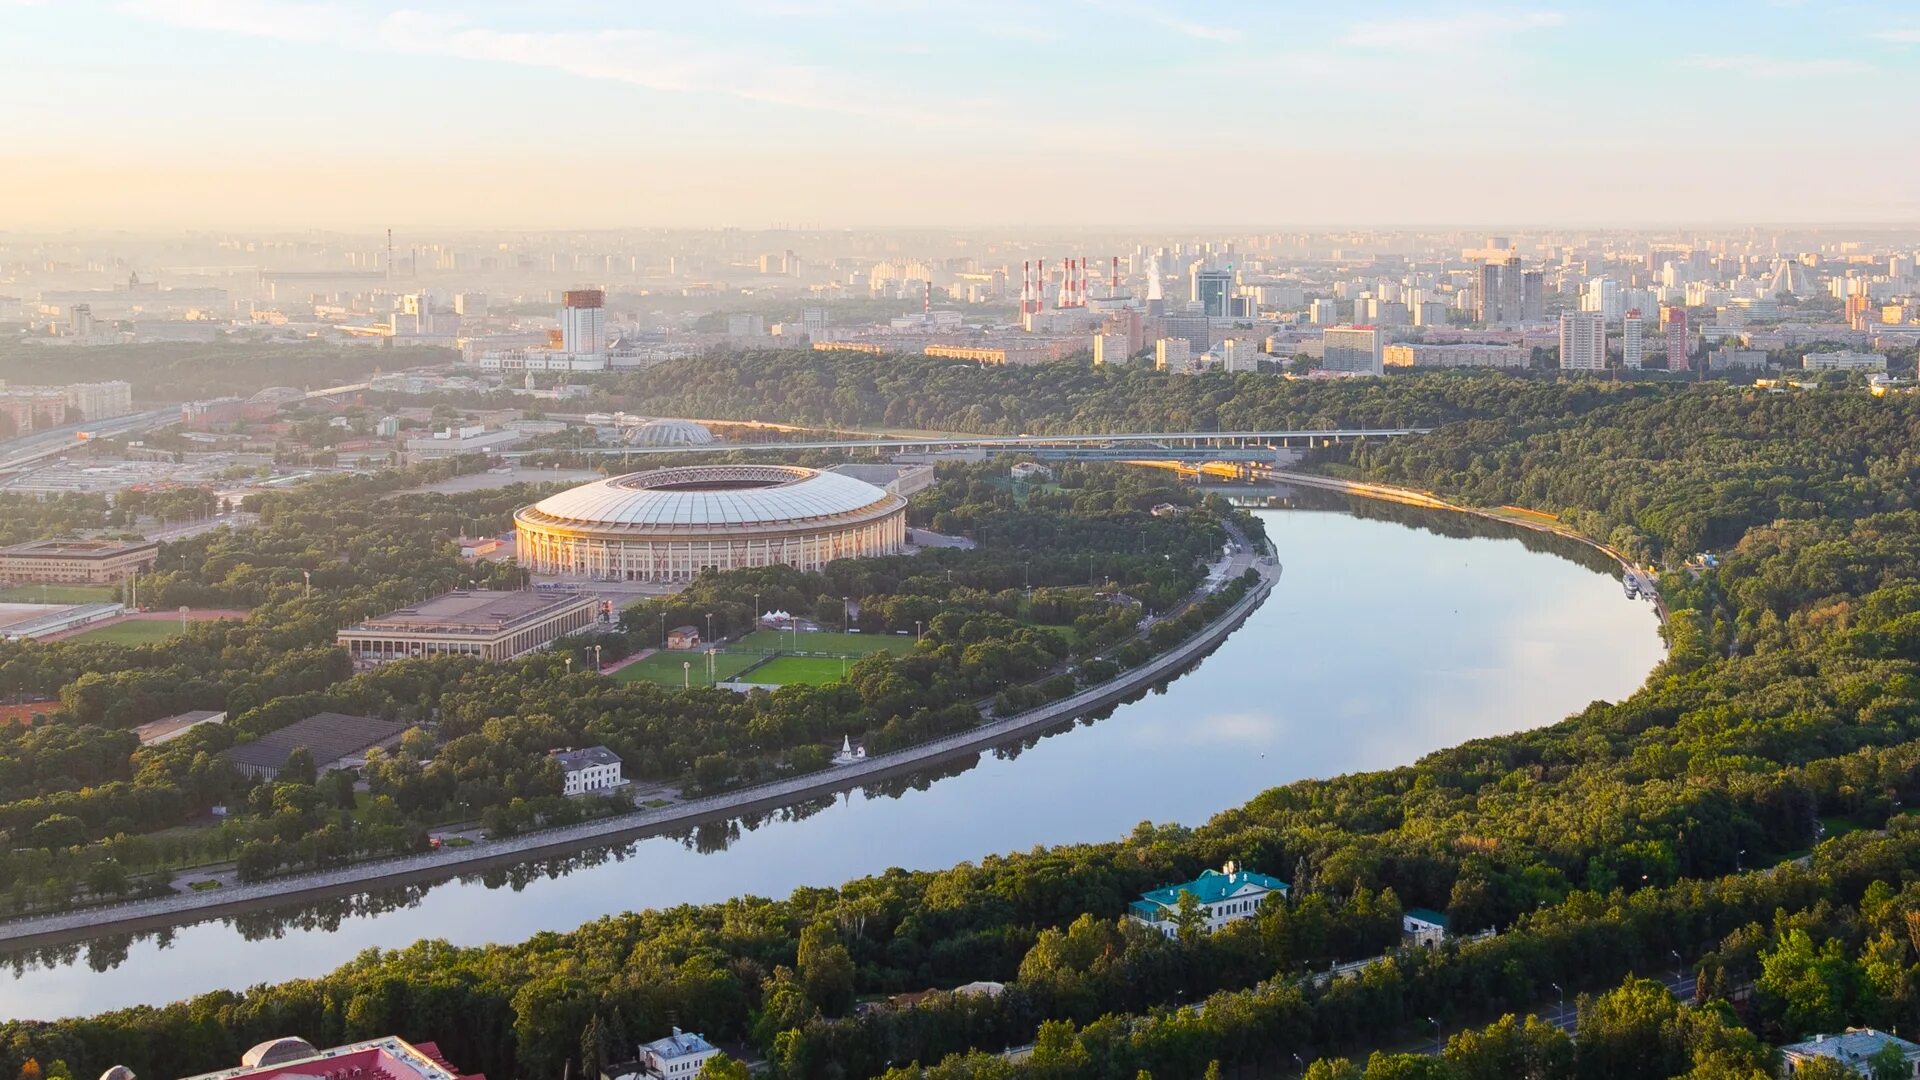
(159, 731)
(580, 759)
(484, 612)
(1852, 1047)
(678, 1044)
(1211, 887)
(374, 1059)
(715, 495)
(78, 548)
(327, 736)
(1427, 915)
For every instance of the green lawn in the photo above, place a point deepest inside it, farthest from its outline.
(664, 668)
(828, 642)
(59, 594)
(140, 632)
(813, 670)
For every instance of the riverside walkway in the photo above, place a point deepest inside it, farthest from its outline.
(161, 911)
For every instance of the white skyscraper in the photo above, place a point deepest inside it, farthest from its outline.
(1583, 341)
(1633, 347)
(583, 322)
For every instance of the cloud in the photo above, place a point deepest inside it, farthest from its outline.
(1437, 33)
(1152, 14)
(1899, 37)
(652, 59)
(1768, 67)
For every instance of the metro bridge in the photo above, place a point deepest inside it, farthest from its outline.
(1251, 446)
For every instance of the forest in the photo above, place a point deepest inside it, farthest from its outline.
(1744, 816)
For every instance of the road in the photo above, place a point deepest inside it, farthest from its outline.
(28, 449)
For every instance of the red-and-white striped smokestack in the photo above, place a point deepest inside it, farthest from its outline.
(926, 302)
(1039, 285)
(1115, 283)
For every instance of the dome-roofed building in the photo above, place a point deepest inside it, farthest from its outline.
(670, 524)
(277, 1052)
(118, 1072)
(670, 433)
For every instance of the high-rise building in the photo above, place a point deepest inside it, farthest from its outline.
(583, 322)
(1213, 291)
(1633, 350)
(1583, 341)
(1173, 354)
(470, 303)
(1110, 348)
(813, 319)
(1239, 355)
(1679, 344)
(1324, 312)
(1354, 349)
(1500, 287)
(1533, 296)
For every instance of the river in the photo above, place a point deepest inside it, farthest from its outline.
(1392, 633)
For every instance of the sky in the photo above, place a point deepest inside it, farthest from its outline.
(162, 114)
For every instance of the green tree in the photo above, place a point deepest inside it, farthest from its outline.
(825, 968)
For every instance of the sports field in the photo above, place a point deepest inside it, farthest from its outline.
(132, 632)
(827, 643)
(59, 594)
(664, 668)
(814, 658)
(813, 670)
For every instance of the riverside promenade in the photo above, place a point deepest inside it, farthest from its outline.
(172, 910)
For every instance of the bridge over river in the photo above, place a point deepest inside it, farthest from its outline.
(1249, 446)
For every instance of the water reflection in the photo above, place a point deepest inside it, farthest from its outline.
(1394, 632)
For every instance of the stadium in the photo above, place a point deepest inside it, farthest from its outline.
(670, 524)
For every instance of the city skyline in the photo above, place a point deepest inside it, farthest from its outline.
(351, 113)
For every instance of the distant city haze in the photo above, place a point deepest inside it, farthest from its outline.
(170, 114)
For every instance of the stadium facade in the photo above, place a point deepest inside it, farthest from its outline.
(670, 524)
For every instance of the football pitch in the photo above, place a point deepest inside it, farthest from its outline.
(814, 658)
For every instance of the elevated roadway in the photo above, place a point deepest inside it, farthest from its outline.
(1120, 446)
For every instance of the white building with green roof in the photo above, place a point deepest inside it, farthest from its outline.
(1224, 896)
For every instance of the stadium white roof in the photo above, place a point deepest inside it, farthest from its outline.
(715, 495)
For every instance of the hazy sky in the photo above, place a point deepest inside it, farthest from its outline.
(162, 113)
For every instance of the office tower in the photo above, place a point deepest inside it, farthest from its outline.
(1213, 291)
(1679, 343)
(1583, 341)
(1356, 349)
(583, 322)
(1633, 351)
(813, 320)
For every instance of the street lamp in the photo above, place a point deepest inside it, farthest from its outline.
(917, 635)
(846, 615)
(596, 658)
(1739, 859)
(1679, 964)
(1439, 1043)
(569, 665)
(709, 626)
(1563, 999)
(308, 575)
(686, 674)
